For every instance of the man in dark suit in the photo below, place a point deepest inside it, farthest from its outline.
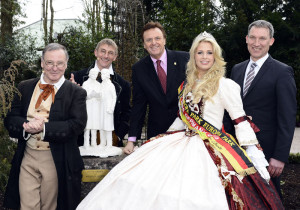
(106, 52)
(269, 98)
(155, 80)
(46, 120)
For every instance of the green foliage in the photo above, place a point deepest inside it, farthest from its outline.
(184, 20)
(235, 16)
(7, 92)
(10, 11)
(294, 158)
(7, 148)
(80, 46)
(17, 12)
(21, 48)
(153, 8)
(7, 88)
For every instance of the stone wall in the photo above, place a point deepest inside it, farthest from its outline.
(96, 163)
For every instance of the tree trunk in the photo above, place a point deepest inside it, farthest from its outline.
(45, 20)
(113, 14)
(93, 25)
(51, 22)
(6, 19)
(106, 16)
(98, 17)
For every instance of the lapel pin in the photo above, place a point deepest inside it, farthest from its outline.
(175, 63)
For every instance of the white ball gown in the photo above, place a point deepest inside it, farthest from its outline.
(179, 172)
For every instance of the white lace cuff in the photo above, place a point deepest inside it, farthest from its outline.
(245, 134)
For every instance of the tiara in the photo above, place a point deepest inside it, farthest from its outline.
(204, 35)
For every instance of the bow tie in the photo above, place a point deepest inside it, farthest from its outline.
(47, 90)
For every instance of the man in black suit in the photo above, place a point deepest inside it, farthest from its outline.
(270, 98)
(106, 52)
(155, 80)
(46, 120)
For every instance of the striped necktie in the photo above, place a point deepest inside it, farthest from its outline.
(249, 78)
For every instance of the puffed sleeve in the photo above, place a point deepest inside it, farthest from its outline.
(231, 99)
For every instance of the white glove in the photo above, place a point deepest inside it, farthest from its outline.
(177, 125)
(259, 161)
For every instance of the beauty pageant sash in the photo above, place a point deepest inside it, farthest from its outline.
(225, 144)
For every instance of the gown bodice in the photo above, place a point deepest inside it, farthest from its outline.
(227, 98)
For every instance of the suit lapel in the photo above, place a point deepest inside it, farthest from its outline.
(29, 93)
(60, 97)
(241, 76)
(260, 74)
(152, 75)
(171, 71)
(60, 93)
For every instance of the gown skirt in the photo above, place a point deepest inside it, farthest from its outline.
(176, 171)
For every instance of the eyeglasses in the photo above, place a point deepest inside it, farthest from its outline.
(51, 64)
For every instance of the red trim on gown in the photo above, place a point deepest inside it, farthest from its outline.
(255, 192)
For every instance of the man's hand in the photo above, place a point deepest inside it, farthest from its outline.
(73, 80)
(129, 148)
(36, 125)
(275, 167)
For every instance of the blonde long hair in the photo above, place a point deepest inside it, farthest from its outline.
(209, 84)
